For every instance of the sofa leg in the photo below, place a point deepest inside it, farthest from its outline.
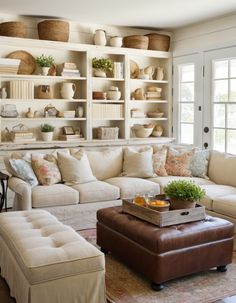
(104, 250)
(222, 268)
(157, 286)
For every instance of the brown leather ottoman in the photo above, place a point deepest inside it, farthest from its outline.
(162, 254)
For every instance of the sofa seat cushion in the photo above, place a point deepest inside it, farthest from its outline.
(54, 195)
(46, 249)
(97, 191)
(163, 181)
(225, 205)
(213, 191)
(129, 187)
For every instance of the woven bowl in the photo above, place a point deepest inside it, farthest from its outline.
(158, 42)
(136, 41)
(55, 30)
(143, 132)
(13, 29)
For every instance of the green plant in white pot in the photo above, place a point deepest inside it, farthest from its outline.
(47, 132)
(183, 194)
(102, 67)
(45, 62)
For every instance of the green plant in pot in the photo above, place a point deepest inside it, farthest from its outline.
(183, 194)
(102, 67)
(47, 132)
(45, 62)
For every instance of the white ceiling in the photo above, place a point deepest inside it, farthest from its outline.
(158, 14)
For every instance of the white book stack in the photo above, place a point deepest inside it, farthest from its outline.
(9, 66)
(69, 69)
(21, 89)
(137, 113)
(22, 137)
(118, 70)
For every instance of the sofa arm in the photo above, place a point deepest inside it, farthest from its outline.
(23, 192)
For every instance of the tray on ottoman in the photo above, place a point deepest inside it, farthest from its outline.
(164, 218)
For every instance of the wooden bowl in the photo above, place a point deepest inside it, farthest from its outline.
(136, 41)
(158, 42)
(99, 95)
(27, 62)
(155, 115)
(13, 29)
(143, 132)
(55, 30)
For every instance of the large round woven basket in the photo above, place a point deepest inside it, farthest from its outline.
(136, 41)
(55, 30)
(13, 29)
(158, 42)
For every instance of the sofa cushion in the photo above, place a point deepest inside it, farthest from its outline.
(138, 162)
(97, 191)
(129, 187)
(222, 167)
(106, 163)
(159, 160)
(213, 191)
(23, 170)
(225, 205)
(199, 163)
(54, 195)
(178, 161)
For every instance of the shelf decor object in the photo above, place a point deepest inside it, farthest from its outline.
(108, 133)
(13, 29)
(27, 62)
(55, 30)
(158, 42)
(47, 132)
(136, 41)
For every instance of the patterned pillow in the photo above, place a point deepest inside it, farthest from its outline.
(199, 164)
(46, 171)
(23, 170)
(178, 162)
(159, 161)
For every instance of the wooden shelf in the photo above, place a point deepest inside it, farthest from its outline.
(148, 101)
(42, 119)
(41, 77)
(44, 100)
(150, 81)
(108, 101)
(108, 79)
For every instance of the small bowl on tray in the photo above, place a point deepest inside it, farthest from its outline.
(158, 205)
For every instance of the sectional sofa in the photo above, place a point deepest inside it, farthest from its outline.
(112, 174)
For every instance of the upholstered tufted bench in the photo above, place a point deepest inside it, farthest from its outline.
(45, 261)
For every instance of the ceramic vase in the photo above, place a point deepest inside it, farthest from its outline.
(47, 136)
(99, 73)
(68, 90)
(116, 41)
(45, 71)
(100, 37)
(160, 74)
(79, 112)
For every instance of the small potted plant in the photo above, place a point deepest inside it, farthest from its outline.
(47, 132)
(45, 62)
(102, 66)
(183, 194)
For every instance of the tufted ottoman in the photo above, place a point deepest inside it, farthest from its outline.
(162, 254)
(45, 261)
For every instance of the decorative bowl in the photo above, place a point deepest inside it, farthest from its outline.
(155, 115)
(143, 132)
(158, 205)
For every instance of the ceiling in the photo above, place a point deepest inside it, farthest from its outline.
(157, 14)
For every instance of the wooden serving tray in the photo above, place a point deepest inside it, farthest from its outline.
(164, 218)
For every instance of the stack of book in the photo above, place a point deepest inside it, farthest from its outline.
(137, 113)
(118, 70)
(21, 89)
(9, 66)
(22, 136)
(69, 69)
(71, 137)
(67, 114)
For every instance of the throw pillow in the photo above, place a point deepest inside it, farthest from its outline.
(46, 171)
(138, 163)
(159, 161)
(23, 170)
(199, 163)
(178, 162)
(75, 169)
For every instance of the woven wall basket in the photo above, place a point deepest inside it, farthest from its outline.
(55, 30)
(158, 42)
(13, 29)
(136, 41)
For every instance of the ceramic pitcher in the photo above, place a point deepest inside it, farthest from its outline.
(68, 90)
(100, 37)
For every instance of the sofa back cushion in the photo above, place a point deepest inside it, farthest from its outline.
(178, 162)
(105, 163)
(222, 168)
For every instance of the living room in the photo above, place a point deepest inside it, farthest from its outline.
(131, 102)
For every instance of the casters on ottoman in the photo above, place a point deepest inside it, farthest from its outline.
(222, 268)
(157, 286)
(104, 250)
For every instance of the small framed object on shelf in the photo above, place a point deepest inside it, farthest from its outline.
(68, 130)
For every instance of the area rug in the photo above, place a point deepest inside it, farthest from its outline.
(126, 286)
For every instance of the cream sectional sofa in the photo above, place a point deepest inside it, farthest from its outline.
(77, 205)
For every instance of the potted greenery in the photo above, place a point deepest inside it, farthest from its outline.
(102, 66)
(47, 132)
(45, 62)
(183, 194)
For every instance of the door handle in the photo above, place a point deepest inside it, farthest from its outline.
(205, 145)
(206, 129)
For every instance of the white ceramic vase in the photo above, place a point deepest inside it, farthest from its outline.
(116, 41)
(100, 37)
(47, 136)
(45, 71)
(68, 90)
(99, 73)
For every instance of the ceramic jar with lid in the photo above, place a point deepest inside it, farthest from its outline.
(113, 93)
(116, 41)
(100, 37)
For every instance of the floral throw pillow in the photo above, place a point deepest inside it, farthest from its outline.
(159, 161)
(178, 162)
(23, 170)
(46, 171)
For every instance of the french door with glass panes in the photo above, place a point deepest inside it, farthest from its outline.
(220, 100)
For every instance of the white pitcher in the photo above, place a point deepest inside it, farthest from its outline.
(100, 37)
(68, 90)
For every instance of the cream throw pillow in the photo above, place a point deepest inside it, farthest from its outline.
(75, 169)
(138, 163)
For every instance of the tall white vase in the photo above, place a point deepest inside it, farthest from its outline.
(100, 37)
(68, 90)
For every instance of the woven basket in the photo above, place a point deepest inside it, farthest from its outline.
(136, 41)
(13, 29)
(108, 133)
(55, 30)
(158, 42)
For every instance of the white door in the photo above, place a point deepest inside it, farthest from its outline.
(220, 100)
(188, 99)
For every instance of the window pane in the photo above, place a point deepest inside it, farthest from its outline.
(220, 92)
(233, 90)
(187, 73)
(233, 68)
(187, 92)
(231, 141)
(219, 139)
(186, 113)
(220, 69)
(231, 116)
(186, 133)
(219, 115)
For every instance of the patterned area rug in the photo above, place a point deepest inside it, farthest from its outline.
(125, 286)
